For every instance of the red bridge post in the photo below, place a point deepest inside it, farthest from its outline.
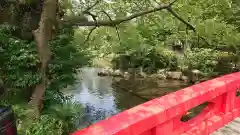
(162, 116)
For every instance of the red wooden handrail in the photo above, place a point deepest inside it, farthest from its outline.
(162, 116)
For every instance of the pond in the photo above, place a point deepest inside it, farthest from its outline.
(101, 99)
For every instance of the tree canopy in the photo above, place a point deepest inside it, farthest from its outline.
(44, 43)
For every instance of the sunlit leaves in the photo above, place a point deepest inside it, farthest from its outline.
(218, 34)
(18, 61)
(208, 60)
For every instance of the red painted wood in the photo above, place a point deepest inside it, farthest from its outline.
(162, 116)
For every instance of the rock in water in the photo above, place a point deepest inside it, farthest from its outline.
(174, 75)
(184, 78)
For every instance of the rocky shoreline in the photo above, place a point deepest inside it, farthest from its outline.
(193, 76)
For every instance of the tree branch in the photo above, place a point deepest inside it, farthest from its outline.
(94, 17)
(119, 39)
(109, 17)
(115, 26)
(89, 34)
(113, 23)
(172, 3)
(170, 10)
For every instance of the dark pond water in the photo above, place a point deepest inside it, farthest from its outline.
(101, 100)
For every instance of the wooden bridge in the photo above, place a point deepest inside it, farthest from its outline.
(162, 116)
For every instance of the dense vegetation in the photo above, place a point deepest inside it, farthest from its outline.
(20, 74)
(44, 42)
(209, 38)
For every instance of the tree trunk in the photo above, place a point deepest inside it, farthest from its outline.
(42, 37)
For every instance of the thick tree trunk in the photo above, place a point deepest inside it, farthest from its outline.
(42, 36)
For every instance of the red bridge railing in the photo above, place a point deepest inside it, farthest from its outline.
(162, 116)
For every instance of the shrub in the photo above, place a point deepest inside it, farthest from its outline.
(20, 63)
(150, 60)
(209, 61)
(19, 73)
(59, 119)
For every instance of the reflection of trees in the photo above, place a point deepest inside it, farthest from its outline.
(124, 99)
(126, 93)
(104, 85)
(87, 78)
(130, 93)
(138, 87)
(93, 115)
(95, 84)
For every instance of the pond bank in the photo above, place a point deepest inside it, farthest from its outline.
(192, 77)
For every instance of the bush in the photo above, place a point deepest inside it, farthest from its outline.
(150, 60)
(66, 60)
(209, 61)
(20, 65)
(59, 119)
(171, 59)
(19, 72)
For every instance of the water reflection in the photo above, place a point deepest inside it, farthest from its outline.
(99, 98)
(102, 99)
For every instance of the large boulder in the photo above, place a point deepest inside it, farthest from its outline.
(111, 72)
(184, 78)
(174, 75)
(195, 76)
(158, 76)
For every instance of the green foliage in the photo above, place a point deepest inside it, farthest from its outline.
(19, 71)
(217, 33)
(140, 43)
(19, 60)
(67, 112)
(66, 60)
(59, 119)
(19, 67)
(46, 125)
(171, 59)
(210, 61)
(149, 60)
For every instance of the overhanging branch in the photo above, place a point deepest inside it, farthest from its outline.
(113, 23)
(117, 31)
(94, 17)
(170, 10)
(89, 34)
